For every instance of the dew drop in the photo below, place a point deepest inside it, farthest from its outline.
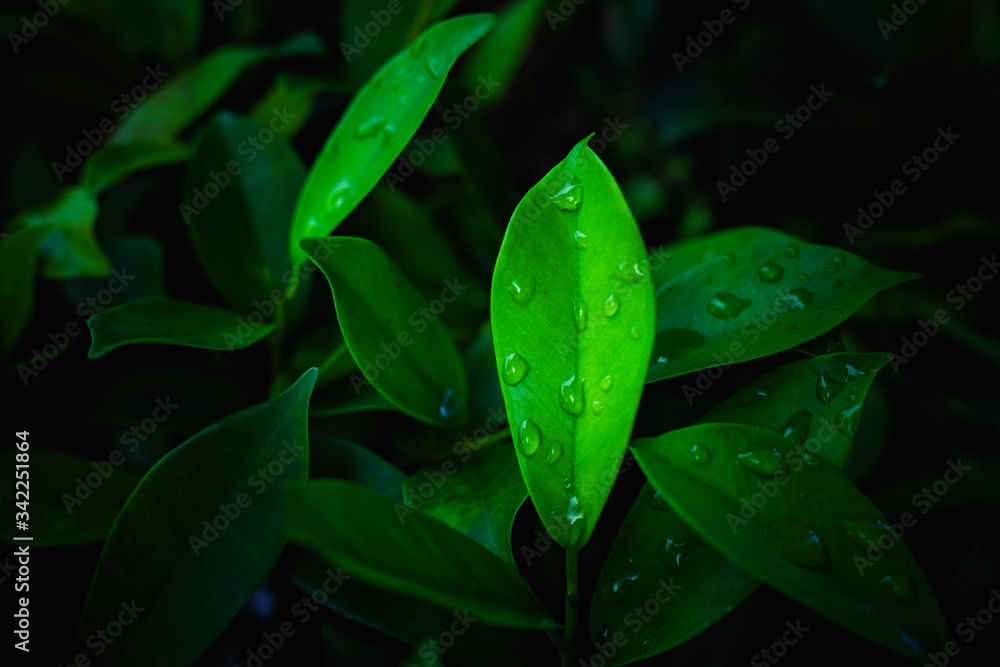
(610, 306)
(728, 259)
(813, 461)
(672, 553)
(571, 396)
(899, 587)
(338, 195)
(616, 592)
(515, 368)
(450, 404)
(700, 455)
(863, 531)
(522, 291)
(570, 197)
(837, 263)
(606, 383)
(751, 394)
(581, 240)
(574, 513)
(804, 296)
(579, 314)
(529, 437)
(657, 501)
(764, 462)
(433, 67)
(827, 388)
(597, 407)
(635, 332)
(726, 306)
(632, 272)
(371, 128)
(849, 418)
(770, 272)
(554, 452)
(798, 543)
(792, 250)
(798, 426)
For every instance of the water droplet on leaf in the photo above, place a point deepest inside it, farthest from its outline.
(610, 306)
(770, 272)
(700, 455)
(580, 314)
(515, 368)
(570, 197)
(522, 291)
(571, 396)
(763, 461)
(606, 383)
(529, 438)
(554, 452)
(726, 306)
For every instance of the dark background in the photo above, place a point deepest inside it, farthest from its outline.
(606, 60)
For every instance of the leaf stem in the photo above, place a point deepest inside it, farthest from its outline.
(572, 609)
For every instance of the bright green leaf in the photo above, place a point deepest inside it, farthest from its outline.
(808, 534)
(364, 532)
(573, 321)
(202, 525)
(399, 344)
(757, 301)
(74, 500)
(171, 322)
(377, 125)
(478, 496)
(241, 235)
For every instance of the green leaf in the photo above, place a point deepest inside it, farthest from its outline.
(815, 402)
(573, 321)
(363, 531)
(757, 301)
(19, 252)
(477, 496)
(377, 125)
(74, 500)
(340, 459)
(396, 340)
(500, 54)
(171, 322)
(293, 94)
(798, 525)
(203, 525)
(675, 259)
(72, 250)
(241, 235)
(111, 166)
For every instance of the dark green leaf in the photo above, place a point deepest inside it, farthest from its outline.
(171, 322)
(399, 344)
(203, 525)
(757, 301)
(241, 235)
(111, 166)
(340, 459)
(371, 536)
(573, 317)
(798, 525)
(72, 250)
(479, 495)
(74, 500)
(500, 54)
(377, 125)
(19, 252)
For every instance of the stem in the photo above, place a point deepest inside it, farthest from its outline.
(572, 609)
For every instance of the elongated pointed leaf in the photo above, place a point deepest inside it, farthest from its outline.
(19, 252)
(477, 494)
(204, 525)
(815, 402)
(396, 340)
(65, 507)
(380, 121)
(758, 301)
(573, 316)
(362, 531)
(71, 250)
(111, 166)
(171, 322)
(799, 525)
(241, 237)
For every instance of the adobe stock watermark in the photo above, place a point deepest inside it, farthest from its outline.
(433, 648)
(635, 620)
(103, 638)
(85, 486)
(786, 126)
(779, 649)
(230, 512)
(566, 8)
(419, 321)
(915, 167)
(59, 340)
(30, 25)
(696, 44)
(264, 309)
(901, 13)
(454, 116)
(958, 297)
(123, 106)
(302, 610)
(223, 7)
(363, 36)
(248, 149)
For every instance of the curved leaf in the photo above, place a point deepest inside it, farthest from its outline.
(380, 121)
(111, 166)
(758, 301)
(798, 525)
(171, 322)
(71, 250)
(394, 335)
(816, 402)
(19, 252)
(573, 315)
(204, 524)
(362, 531)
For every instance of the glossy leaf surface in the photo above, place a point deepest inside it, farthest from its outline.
(573, 316)
(219, 531)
